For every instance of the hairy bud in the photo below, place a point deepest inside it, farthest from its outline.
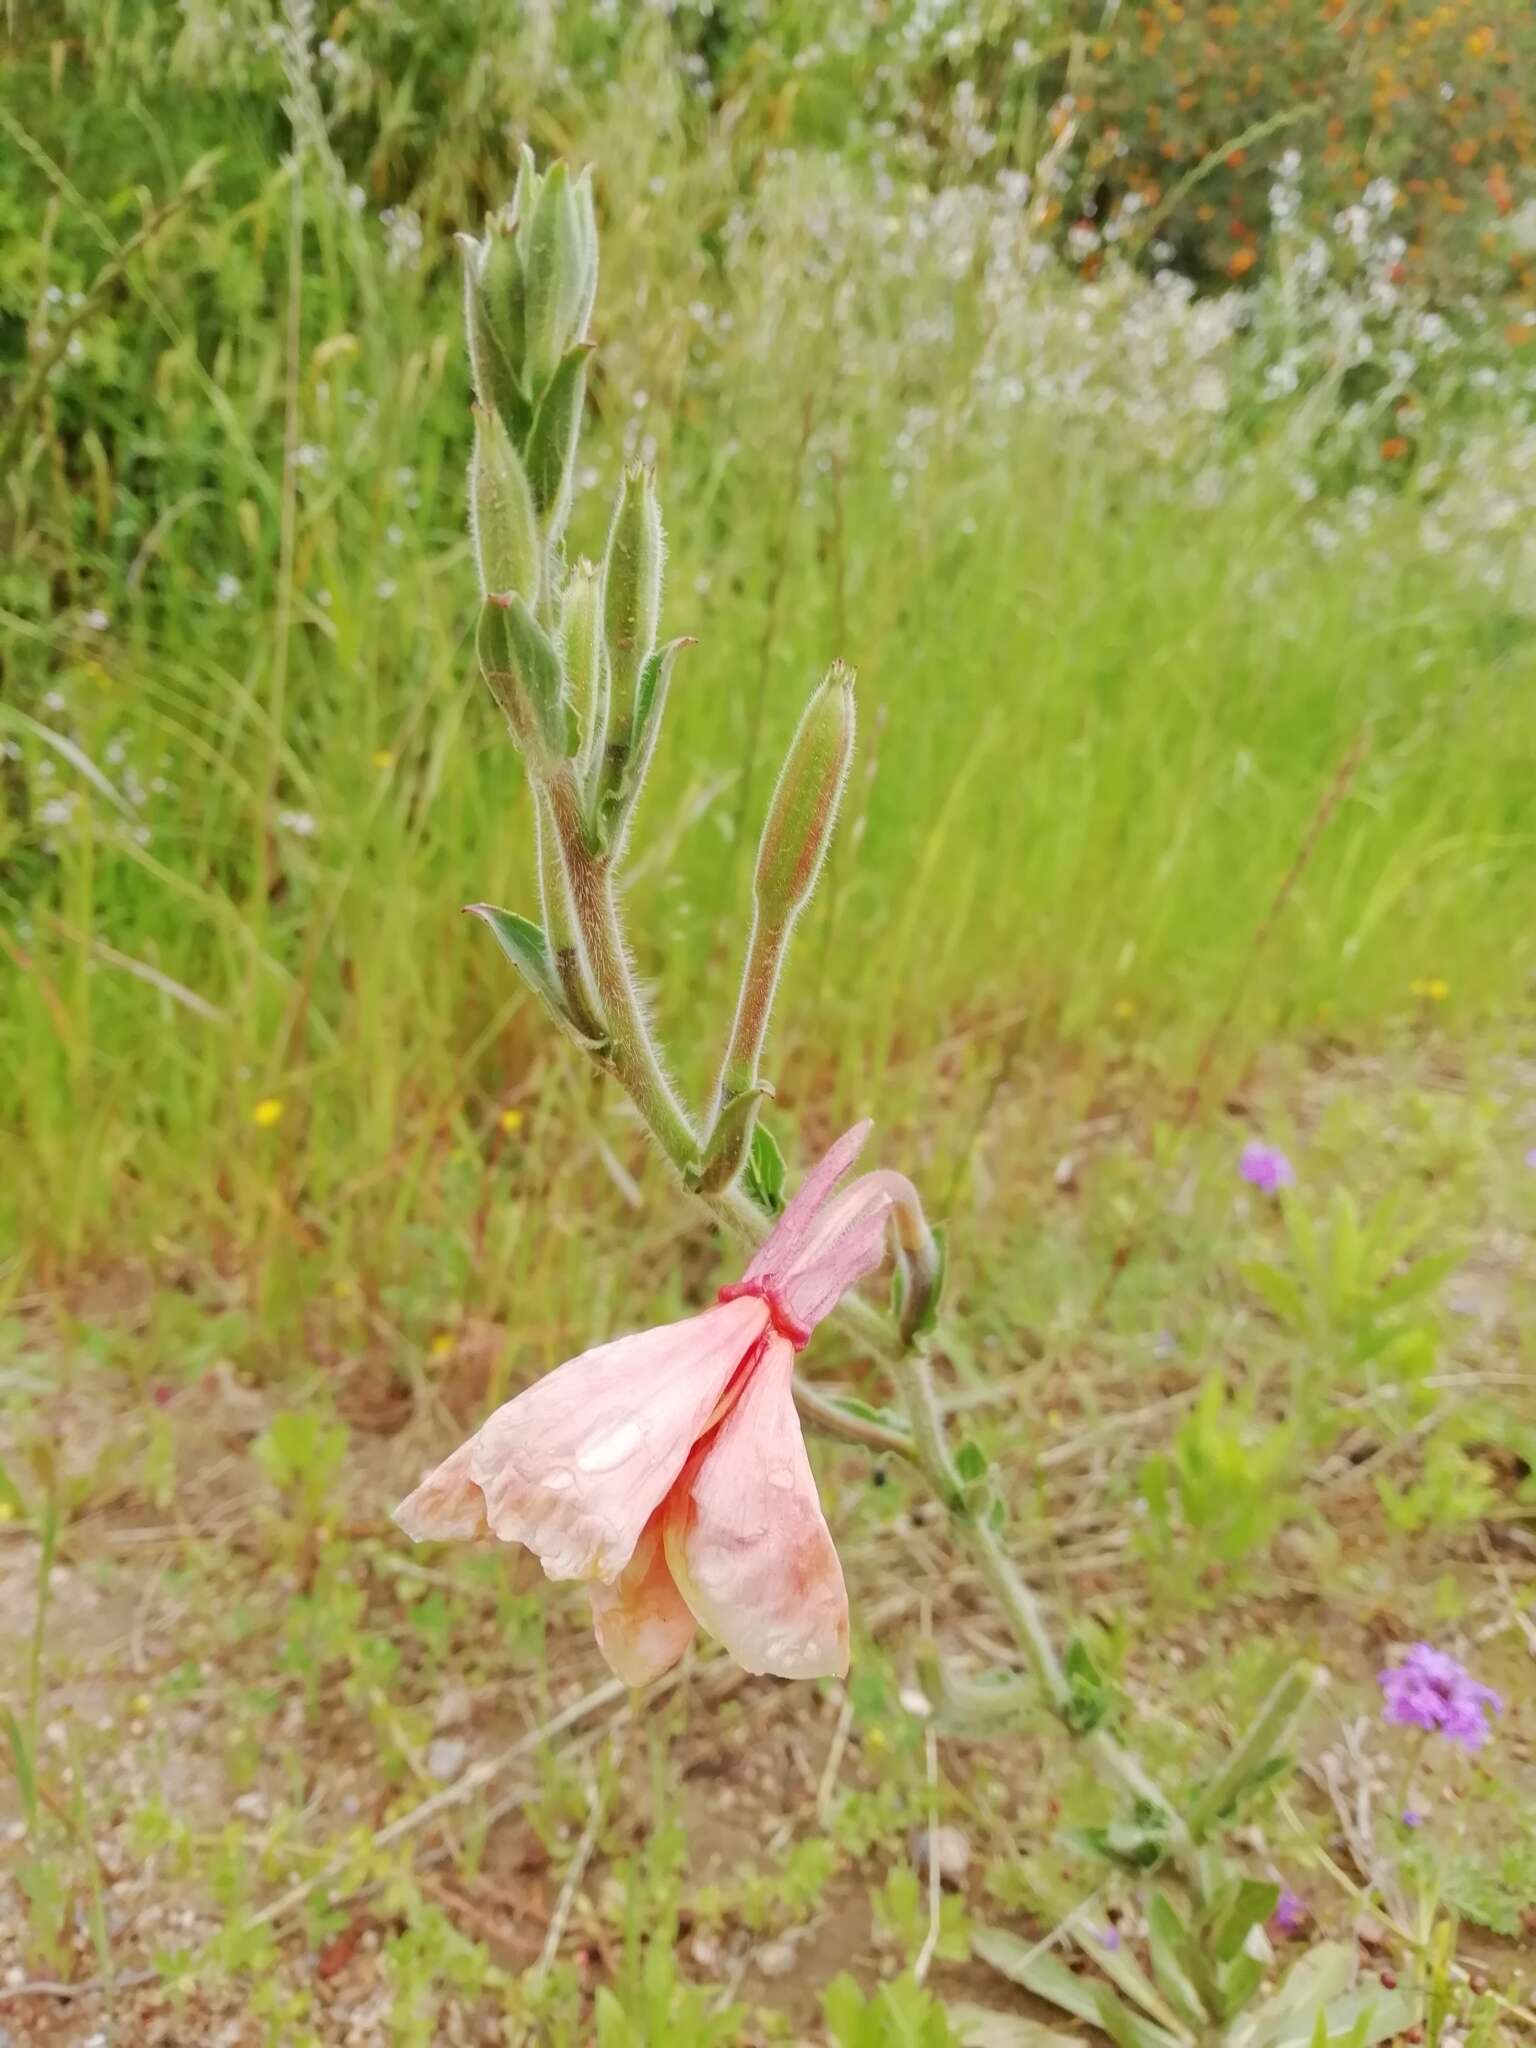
(558, 242)
(581, 637)
(529, 290)
(631, 594)
(493, 325)
(501, 512)
(804, 807)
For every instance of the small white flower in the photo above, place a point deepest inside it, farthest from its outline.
(96, 620)
(300, 823)
(227, 589)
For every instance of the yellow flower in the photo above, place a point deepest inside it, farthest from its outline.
(1431, 988)
(1125, 1007)
(383, 758)
(442, 1344)
(7, 1512)
(343, 1290)
(511, 1121)
(268, 1111)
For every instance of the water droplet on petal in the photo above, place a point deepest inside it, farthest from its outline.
(612, 1448)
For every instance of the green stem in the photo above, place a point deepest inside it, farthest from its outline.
(754, 1006)
(631, 1048)
(559, 927)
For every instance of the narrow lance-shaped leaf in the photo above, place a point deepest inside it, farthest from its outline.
(728, 1144)
(526, 947)
(523, 671)
(617, 797)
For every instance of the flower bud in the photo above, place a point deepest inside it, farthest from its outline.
(804, 807)
(553, 438)
(525, 677)
(560, 271)
(501, 513)
(582, 642)
(493, 324)
(631, 594)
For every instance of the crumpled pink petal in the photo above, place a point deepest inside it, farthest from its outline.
(778, 1251)
(447, 1506)
(847, 1241)
(575, 1466)
(642, 1623)
(747, 1541)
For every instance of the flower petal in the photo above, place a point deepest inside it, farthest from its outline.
(776, 1254)
(575, 1466)
(747, 1542)
(641, 1621)
(447, 1505)
(846, 1241)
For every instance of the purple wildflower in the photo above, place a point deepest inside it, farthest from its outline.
(1412, 1818)
(1530, 1157)
(1429, 1689)
(1109, 1937)
(1266, 1168)
(1291, 1914)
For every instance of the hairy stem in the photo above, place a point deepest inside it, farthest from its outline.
(631, 1048)
(754, 1007)
(559, 926)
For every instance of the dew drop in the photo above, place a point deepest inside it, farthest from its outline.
(610, 1449)
(558, 1479)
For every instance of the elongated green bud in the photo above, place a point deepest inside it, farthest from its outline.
(529, 289)
(524, 674)
(502, 519)
(560, 274)
(493, 325)
(553, 438)
(804, 807)
(581, 637)
(632, 574)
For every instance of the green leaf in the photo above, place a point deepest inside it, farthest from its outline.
(524, 673)
(765, 1170)
(527, 948)
(1169, 1946)
(1089, 1697)
(21, 1764)
(729, 1143)
(971, 1462)
(1278, 1291)
(1048, 1977)
(625, 769)
(1239, 1980)
(978, 2026)
(1421, 1278)
(1255, 1900)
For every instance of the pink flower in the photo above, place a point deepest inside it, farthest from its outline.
(667, 1469)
